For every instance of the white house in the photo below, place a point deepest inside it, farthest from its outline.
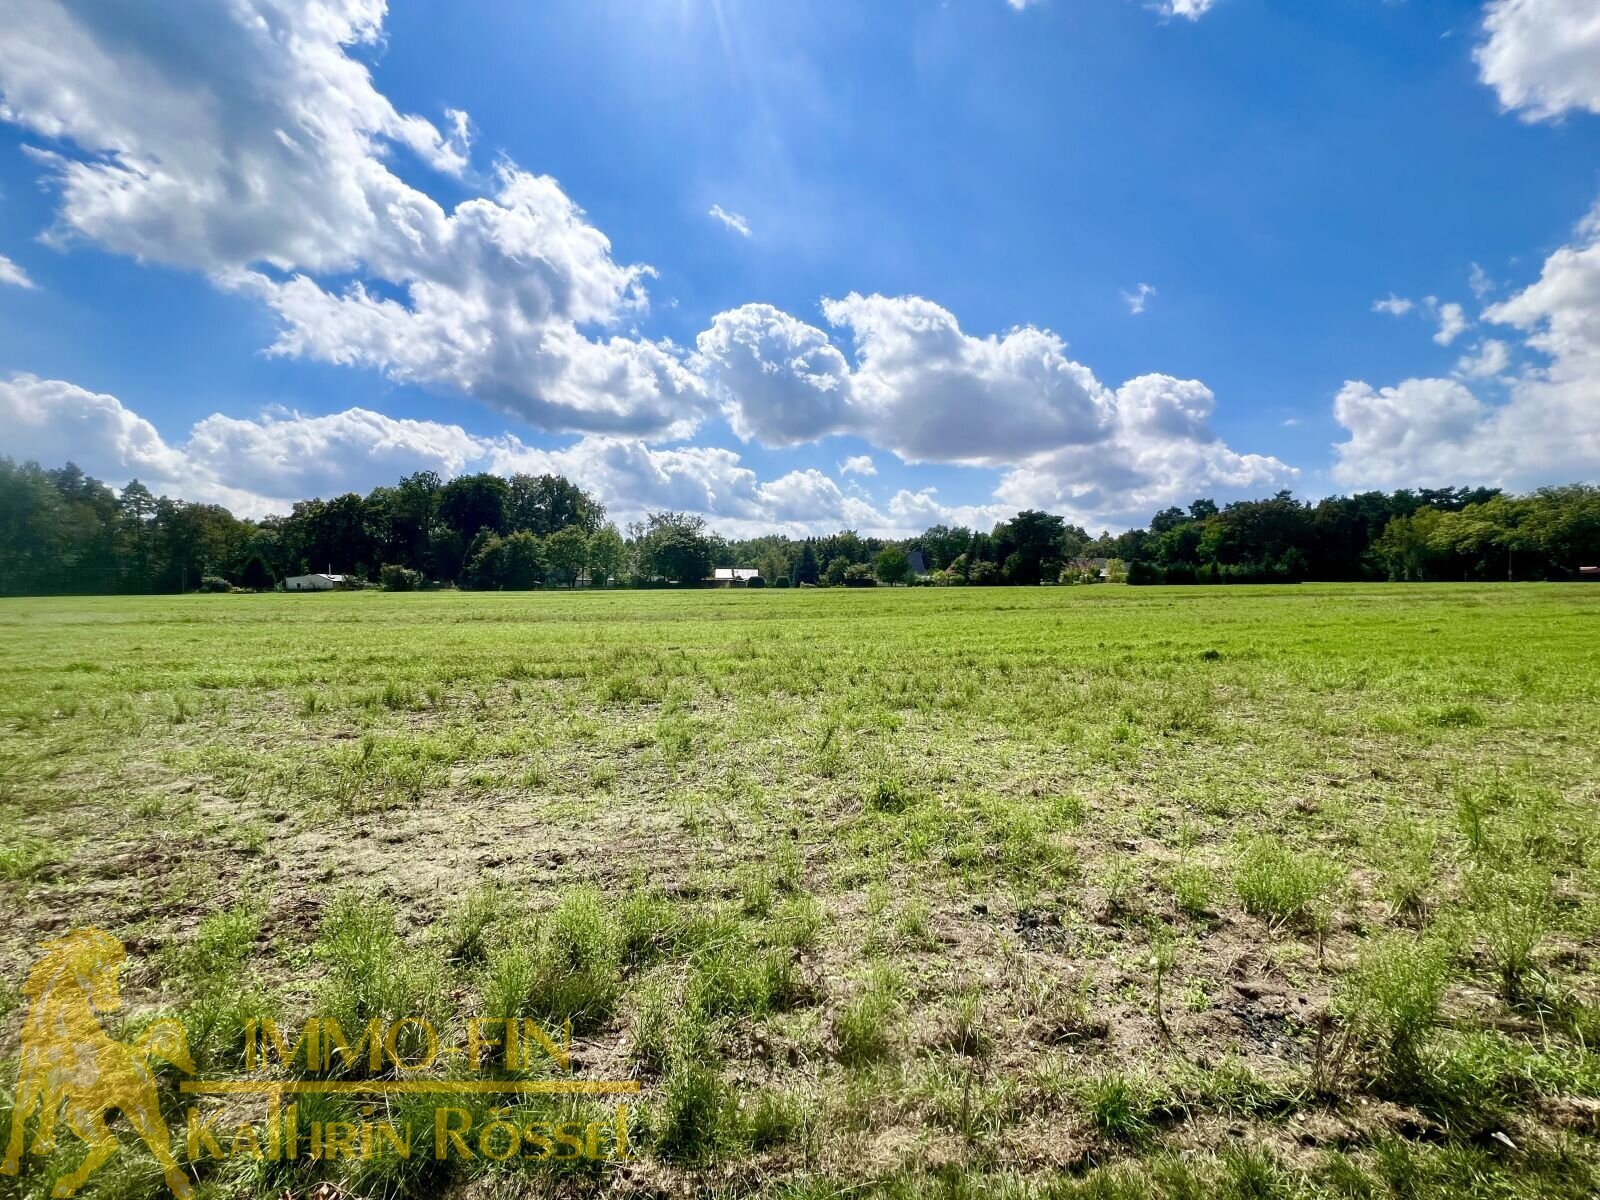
(733, 576)
(312, 583)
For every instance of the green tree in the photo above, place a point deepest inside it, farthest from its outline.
(773, 565)
(674, 547)
(834, 575)
(607, 555)
(546, 504)
(1030, 546)
(805, 569)
(469, 504)
(893, 566)
(567, 553)
(255, 574)
(1406, 548)
(137, 508)
(514, 563)
(941, 545)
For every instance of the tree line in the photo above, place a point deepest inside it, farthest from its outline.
(62, 531)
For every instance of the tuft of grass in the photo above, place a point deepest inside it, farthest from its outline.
(26, 858)
(1122, 1106)
(568, 970)
(467, 936)
(775, 1118)
(796, 922)
(370, 973)
(1392, 998)
(1285, 887)
(736, 980)
(698, 1115)
(1513, 907)
(1455, 716)
(1194, 889)
(888, 793)
(646, 924)
(1404, 854)
(862, 1028)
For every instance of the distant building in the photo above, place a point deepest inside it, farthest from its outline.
(724, 577)
(1592, 573)
(1098, 566)
(313, 583)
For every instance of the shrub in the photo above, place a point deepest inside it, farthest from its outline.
(983, 574)
(755, 581)
(1142, 574)
(859, 575)
(215, 583)
(395, 578)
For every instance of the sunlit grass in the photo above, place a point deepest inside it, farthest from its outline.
(1098, 891)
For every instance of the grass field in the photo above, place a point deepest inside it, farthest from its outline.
(1091, 891)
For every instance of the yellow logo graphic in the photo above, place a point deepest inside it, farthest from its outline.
(73, 1070)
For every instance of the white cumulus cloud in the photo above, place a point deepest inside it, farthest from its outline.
(932, 393)
(923, 388)
(1437, 431)
(780, 381)
(1452, 320)
(1490, 358)
(858, 464)
(248, 142)
(1542, 57)
(255, 467)
(1160, 451)
(262, 465)
(245, 141)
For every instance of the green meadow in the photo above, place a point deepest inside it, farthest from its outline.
(1095, 891)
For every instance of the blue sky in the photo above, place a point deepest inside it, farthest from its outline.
(1086, 255)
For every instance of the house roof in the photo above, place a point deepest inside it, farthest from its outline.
(736, 573)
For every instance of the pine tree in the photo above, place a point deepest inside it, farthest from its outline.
(805, 571)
